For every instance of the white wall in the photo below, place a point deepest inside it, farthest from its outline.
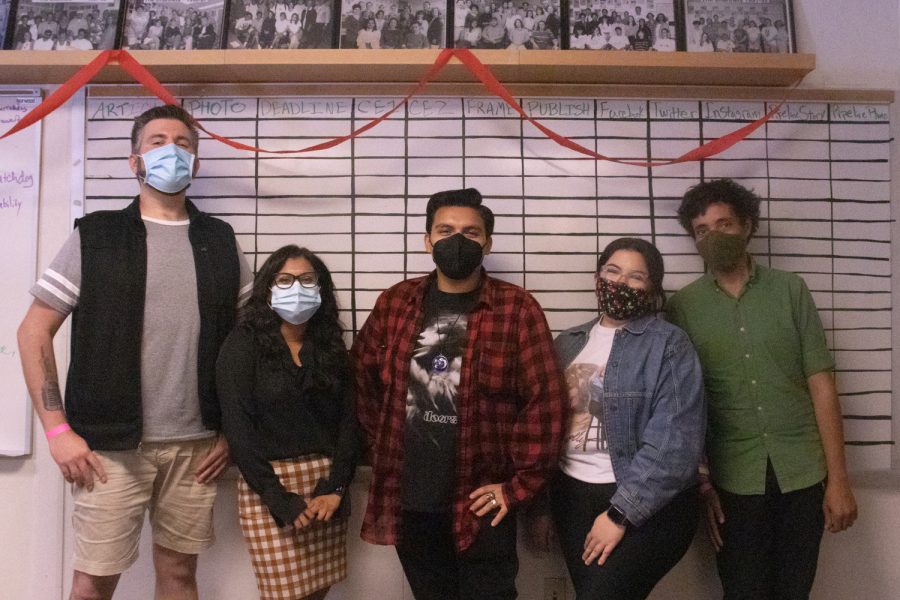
(31, 493)
(857, 45)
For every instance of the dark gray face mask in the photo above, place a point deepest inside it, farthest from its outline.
(722, 251)
(457, 256)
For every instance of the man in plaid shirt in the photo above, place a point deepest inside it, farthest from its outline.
(463, 406)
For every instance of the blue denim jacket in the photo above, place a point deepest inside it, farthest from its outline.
(653, 411)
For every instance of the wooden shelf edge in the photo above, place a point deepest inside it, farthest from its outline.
(567, 67)
(518, 90)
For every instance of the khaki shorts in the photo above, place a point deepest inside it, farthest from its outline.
(158, 476)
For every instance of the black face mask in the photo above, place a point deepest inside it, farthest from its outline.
(457, 256)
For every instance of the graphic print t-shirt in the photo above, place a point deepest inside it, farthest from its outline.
(431, 409)
(586, 455)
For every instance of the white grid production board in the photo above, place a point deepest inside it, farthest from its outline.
(822, 169)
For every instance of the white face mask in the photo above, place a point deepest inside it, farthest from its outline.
(296, 304)
(168, 168)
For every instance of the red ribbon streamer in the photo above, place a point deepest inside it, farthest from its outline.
(464, 55)
(144, 77)
(483, 73)
(62, 93)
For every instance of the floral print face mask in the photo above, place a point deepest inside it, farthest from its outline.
(620, 301)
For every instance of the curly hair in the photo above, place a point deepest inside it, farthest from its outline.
(323, 330)
(655, 265)
(697, 199)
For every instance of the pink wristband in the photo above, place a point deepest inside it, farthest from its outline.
(55, 431)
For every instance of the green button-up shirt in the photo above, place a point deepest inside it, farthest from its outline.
(757, 352)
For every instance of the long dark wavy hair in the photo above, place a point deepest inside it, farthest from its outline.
(323, 330)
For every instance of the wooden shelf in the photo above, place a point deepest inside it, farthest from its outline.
(518, 90)
(571, 67)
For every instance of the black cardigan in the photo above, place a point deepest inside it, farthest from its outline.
(271, 411)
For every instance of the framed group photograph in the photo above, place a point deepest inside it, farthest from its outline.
(5, 23)
(643, 25)
(285, 24)
(173, 25)
(516, 24)
(393, 24)
(65, 25)
(739, 26)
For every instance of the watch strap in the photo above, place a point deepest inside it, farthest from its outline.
(616, 515)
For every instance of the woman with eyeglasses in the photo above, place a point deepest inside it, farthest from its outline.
(287, 400)
(625, 501)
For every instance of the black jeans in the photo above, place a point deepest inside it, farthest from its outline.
(486, 570)
(771, 542)
(641, 559)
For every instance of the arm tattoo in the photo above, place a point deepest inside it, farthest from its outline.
(50, 390)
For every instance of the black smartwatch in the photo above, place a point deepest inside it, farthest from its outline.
(617, 516)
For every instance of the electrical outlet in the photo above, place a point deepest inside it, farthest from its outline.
(554, 588)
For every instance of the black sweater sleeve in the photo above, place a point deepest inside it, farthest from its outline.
(235, 383)
(348, 446)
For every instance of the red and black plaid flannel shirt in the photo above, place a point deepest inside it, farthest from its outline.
(511, 401)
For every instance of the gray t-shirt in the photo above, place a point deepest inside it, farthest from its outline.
(171, 405)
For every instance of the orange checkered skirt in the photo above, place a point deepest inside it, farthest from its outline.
(292, 563)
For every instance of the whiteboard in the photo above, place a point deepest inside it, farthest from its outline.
(822, 169)
(19, 185)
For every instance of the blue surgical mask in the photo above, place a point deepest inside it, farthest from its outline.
(168, 168)
(296, 304)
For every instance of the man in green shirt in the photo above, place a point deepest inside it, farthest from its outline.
(775, 440)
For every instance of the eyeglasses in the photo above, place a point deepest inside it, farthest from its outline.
(633, 279)
(307, 280)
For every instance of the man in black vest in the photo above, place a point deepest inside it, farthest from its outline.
(152, 290)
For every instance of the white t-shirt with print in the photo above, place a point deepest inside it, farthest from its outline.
(586, 454)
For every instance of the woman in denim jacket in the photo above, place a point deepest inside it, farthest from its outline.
(625, 502)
